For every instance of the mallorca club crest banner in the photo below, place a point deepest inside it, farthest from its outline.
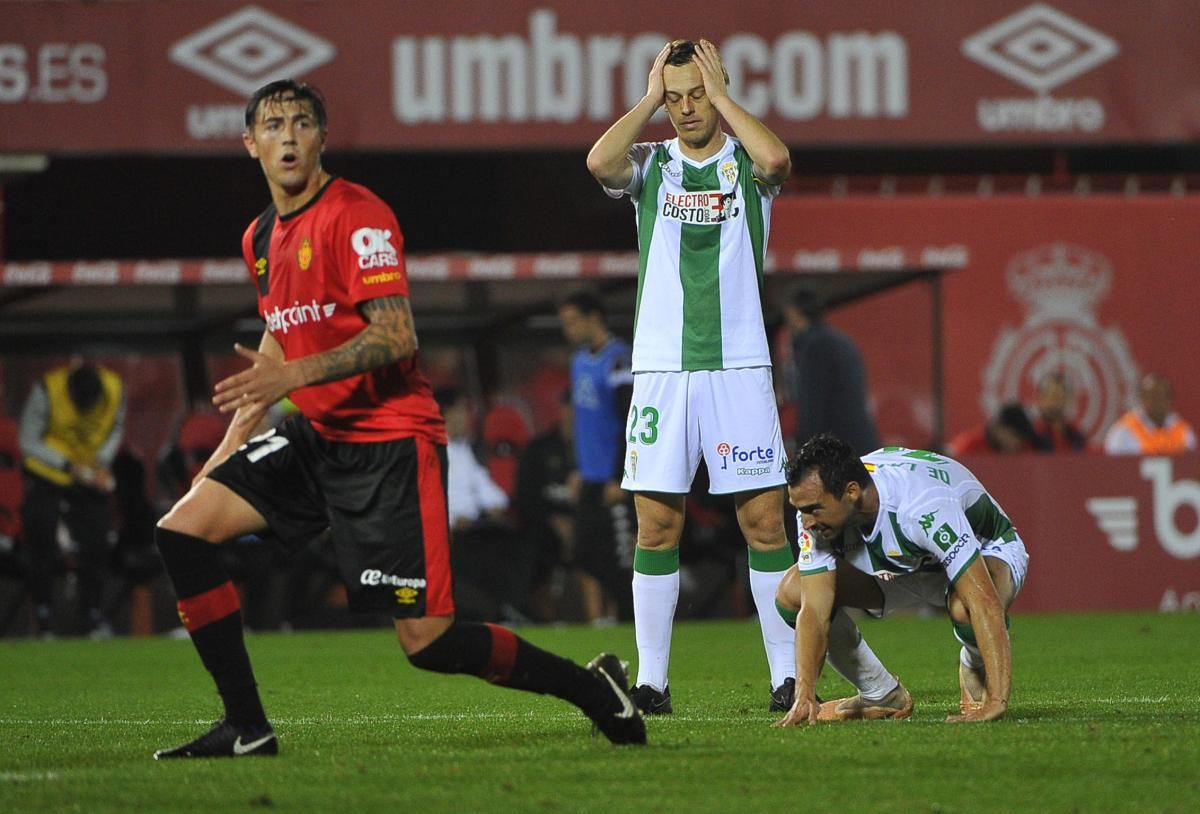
(140, 75)
(1100, 289)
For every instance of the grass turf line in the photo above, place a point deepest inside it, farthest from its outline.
(1104, 717)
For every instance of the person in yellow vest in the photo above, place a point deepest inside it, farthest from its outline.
(1151, 428)
(71, 427)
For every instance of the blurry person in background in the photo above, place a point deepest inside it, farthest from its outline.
(702, 379)
(1153, 427)
(474, 498)
(71, 428)
(601, 387)
(1009, 431)
(547, 488)
(1053, 430)
(827, 379)
(364, 456)
(493, 568)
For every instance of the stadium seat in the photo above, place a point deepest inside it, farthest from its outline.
(505, 434)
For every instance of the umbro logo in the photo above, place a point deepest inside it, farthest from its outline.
(247, 49)
(1040, 47)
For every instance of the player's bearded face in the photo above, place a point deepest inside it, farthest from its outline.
(821, 513)
(288, 141)
(692, 113)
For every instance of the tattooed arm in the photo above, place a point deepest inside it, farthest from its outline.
(389, 337)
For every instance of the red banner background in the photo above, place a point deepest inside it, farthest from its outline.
(1091, 552)
(1101, 288)
(129, 76)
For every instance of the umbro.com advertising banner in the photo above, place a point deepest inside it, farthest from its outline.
(129, 76)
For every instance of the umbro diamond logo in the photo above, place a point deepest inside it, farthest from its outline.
(249, 48)
(240, 748)
(626, 704)
(1040, 47)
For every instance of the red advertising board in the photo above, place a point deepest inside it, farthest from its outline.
(1102, 533)
(1099, 288)
(128, 76)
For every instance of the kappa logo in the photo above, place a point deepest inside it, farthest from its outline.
(1040, 47)
(247, 49)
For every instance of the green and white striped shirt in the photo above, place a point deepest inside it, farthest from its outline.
(702, 239)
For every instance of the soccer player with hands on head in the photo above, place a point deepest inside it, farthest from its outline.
(702, 381)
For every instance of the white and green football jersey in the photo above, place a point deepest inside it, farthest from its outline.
(702, 238)
(933, 515)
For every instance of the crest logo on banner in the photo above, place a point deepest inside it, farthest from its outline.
(247, 49)
(1060, 285)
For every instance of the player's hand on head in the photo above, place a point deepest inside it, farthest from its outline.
(712, 70)
(655, 87)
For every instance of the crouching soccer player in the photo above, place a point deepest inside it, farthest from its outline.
(898, 528)
(365, 457)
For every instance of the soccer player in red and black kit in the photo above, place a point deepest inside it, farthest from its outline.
(365, 457)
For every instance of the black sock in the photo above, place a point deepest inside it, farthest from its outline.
(211, 611)
(499, 656)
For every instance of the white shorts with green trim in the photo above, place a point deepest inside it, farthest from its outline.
(728, 417)
(907, 591)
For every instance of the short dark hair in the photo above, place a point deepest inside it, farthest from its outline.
(447, 396)
(808, 301)
(681, 54)
(834, 461)
(585, 302)
(282, 90)
(1013, 416)
(84, 387)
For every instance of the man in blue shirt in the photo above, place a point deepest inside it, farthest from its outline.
(601, 384)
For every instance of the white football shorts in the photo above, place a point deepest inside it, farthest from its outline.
(728, 417)
(921, 588)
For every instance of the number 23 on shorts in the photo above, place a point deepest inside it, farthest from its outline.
(643, 425)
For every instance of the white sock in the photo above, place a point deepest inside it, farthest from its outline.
(970, 657)
(654, 600)
(855, 661)
(779, 639)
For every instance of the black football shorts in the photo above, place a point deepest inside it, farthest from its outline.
(384, 503)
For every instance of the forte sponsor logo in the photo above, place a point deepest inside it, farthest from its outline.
(284, 319)
(1041, 48)
(544, 74)
(747, 460)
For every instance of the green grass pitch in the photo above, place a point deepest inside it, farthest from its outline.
(1105, 716)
